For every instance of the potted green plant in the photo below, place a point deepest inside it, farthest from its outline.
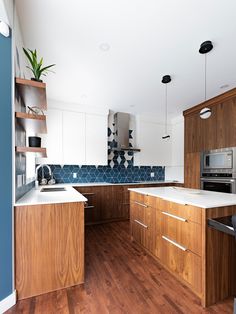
(36, 65)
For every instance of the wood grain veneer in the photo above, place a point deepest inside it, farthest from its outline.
(206, 262)
(192, 170)
(38, 150)
(107, 203)
(49, 247)
(32, 93)
(211, 102)
(218, 131)
(32, 123)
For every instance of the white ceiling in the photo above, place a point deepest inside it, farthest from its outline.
(147, 39)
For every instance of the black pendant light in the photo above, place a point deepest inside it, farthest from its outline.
(205, 47)
(165, 80)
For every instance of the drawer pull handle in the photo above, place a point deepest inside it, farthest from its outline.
(173, 216)
(141, 204)
(88, 193)
(89, 206)
(175, 244)
(140, 223)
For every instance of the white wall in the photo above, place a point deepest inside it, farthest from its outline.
(154, 150)
(175, 171)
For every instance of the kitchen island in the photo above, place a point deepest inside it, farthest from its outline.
(171, 223)
(49, 241)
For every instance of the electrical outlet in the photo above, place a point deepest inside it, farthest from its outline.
(19, 180)
(152, 174)
(74, 175)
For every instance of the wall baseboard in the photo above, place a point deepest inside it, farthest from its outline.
(8, 302)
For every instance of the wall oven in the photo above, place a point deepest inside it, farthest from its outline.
(219, 185)
(218, 170)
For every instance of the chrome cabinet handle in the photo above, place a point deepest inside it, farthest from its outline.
(176, 217)
(140, 223)
(141, 204)
(89, 206)
(175, 243)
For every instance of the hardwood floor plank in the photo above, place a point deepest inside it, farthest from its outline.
(120, 277)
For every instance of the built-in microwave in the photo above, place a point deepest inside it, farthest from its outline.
(221, 161)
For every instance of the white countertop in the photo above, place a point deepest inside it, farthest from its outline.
(199, 198)
(35, 197)
(126, 183)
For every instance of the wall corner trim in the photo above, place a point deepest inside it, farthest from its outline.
(8, 302)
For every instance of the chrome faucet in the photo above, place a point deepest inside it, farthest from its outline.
(36, 173)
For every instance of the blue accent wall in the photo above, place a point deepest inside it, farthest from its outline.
(6, 168)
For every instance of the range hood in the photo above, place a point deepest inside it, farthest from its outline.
(121, 120)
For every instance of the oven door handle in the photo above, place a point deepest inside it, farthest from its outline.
(218, 180)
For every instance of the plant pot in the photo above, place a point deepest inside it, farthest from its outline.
(34, 141)
(34, 79)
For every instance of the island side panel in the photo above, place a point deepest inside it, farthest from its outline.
(220, 259)
(49, 246)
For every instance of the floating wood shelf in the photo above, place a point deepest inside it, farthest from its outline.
(32, 93)
(42, 152)
(32, 123)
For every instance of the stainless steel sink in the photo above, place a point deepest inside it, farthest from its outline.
(54, 189)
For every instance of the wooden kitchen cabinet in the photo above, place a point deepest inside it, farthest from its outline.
(183, 263)
(172, 233)
(105, 204)
(143, 224)
(108, 203)
(218, 131)
(178, 236)
(226, 124)
(192, 133)
(192, 170)
(49, 248)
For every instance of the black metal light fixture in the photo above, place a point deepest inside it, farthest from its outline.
(165, 80)
(205, 47)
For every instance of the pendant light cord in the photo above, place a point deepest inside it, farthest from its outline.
(205, 77)
(166, 113)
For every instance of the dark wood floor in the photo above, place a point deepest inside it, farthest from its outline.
(120, 278)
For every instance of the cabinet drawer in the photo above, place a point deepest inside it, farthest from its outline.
(139, 199)
(185, 264)
(184, 232)
(189, 212)
(144, 226)
(154, 202)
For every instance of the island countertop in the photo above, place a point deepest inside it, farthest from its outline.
(198, 198)
(35, 197)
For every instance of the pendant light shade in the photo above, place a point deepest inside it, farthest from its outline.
(165, 80)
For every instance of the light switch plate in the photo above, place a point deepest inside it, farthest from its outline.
(74, 175)
(152, 174)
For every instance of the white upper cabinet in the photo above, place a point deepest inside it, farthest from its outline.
(53, 139)
(154, 150)
(96, 139)
(73, 138)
